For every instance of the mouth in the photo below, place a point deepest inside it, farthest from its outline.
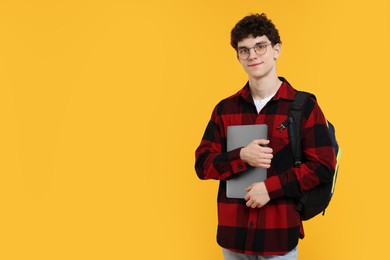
(254, 65)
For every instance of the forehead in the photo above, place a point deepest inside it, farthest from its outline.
(250, 41)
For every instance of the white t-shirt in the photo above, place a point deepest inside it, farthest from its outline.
(260, 103)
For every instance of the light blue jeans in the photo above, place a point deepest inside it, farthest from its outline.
(230, 255)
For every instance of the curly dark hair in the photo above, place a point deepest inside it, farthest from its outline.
(254, 25)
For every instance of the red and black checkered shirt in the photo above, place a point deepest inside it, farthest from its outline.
(275, 228)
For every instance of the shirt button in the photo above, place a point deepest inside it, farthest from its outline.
(251, 224)
(239, 167)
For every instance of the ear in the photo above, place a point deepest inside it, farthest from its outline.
(277, 50)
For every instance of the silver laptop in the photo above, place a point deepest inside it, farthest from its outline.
(240, 136)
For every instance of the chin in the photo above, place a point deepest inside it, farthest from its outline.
(259, 74)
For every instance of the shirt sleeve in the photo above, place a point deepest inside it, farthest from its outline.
(319, 160)
(212, 159)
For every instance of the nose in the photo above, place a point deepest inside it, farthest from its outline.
(252, 53)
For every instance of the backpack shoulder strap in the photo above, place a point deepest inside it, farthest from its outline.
(295, 116)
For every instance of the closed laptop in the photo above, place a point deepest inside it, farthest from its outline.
(241, 136)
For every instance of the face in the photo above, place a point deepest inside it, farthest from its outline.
(258, 65)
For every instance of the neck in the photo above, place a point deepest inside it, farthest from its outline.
(264, 87)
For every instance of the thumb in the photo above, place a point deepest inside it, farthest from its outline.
(262, 142)
(249, 188)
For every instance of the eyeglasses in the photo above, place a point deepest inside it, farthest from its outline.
(260, 49)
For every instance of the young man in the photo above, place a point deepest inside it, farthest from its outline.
(266, 224)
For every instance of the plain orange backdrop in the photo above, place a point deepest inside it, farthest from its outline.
(103, 103)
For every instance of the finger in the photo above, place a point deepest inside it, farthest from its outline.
(261, 142)
(265, 161)
(252, 203)
(259, 205)
(267, 155)
(262, 162)
(266, 151)
(249, 188)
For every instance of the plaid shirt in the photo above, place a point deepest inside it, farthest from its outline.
(275, 228)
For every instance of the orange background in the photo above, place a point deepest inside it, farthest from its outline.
(103, 103)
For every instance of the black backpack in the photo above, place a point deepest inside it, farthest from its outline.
(315, 201)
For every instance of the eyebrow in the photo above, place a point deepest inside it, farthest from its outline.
(257, 43)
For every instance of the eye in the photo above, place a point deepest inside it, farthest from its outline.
(260, 47)
(243, 51)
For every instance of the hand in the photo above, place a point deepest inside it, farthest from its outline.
(256, 154)
(257, 195)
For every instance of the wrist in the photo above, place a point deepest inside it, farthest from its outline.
(242, 154)
(273, 187)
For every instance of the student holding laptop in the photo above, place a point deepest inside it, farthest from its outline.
(265, 223)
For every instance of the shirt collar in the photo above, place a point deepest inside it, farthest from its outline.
(286, 91)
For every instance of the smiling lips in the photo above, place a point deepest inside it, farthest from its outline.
(254, 64)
